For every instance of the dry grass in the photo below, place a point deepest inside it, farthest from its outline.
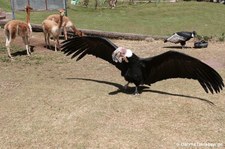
(51, 101)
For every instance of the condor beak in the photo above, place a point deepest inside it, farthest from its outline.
(119, 57)
(125, 59)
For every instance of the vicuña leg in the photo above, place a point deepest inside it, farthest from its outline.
(7, 44)
(26, 42)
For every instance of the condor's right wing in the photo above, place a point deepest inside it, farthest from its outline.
(91, 45)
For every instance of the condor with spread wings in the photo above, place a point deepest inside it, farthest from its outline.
(149, 70)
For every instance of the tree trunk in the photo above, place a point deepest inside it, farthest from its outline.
(112, 35)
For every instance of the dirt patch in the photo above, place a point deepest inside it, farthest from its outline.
(50, 101)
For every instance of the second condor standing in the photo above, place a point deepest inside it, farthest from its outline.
(181, 37)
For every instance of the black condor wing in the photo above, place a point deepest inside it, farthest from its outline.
(186, 35)
(173, 64)
(93, 45)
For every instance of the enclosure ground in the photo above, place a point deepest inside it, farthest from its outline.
(50, 101)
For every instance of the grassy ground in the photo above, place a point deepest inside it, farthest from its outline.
(162, 19)
(50, 101)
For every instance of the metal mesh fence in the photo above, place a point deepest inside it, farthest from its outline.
(38, 5)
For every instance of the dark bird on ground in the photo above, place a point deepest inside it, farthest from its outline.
(181, 37)
(149, 70)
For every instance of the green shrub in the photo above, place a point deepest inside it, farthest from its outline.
(222, 38)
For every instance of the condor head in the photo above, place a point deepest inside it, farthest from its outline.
(121, 54)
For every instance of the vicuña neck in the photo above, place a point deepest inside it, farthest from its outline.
(74, 29)
(28, 19)
(60, 21)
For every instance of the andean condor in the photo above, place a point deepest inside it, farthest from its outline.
(149, 70)
(181, 37)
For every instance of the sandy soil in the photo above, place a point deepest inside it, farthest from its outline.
(50, 101)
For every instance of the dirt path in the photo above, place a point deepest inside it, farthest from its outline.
(50, 101)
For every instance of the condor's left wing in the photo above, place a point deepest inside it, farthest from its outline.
(174, 64)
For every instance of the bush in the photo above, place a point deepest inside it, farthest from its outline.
(206, 38)
(222, 38)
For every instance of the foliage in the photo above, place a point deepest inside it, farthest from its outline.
(206, 38)
(222, 38)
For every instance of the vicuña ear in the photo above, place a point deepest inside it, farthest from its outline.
(28, 7)
(61, 10)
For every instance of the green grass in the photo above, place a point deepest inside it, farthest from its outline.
(161, 19)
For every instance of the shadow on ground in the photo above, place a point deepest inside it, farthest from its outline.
(176, 47)
(130, 90)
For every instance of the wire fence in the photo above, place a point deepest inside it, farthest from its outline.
(37, 5)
